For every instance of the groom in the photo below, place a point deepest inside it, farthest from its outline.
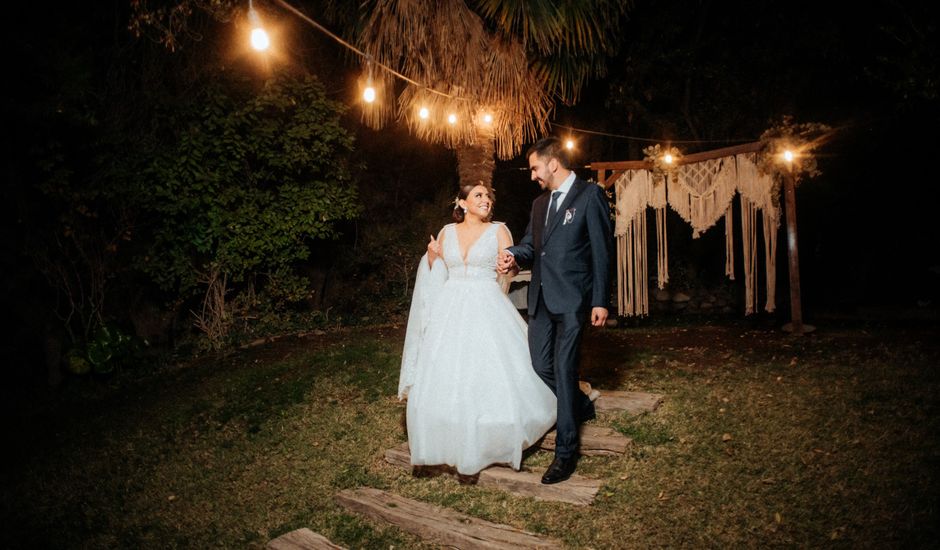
(568, 245)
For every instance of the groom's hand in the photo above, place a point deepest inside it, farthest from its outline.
(598, 316)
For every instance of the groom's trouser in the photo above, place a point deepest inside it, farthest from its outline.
(555, 344)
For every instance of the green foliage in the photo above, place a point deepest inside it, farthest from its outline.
(107, 350)
(253, 178)
(109, 347)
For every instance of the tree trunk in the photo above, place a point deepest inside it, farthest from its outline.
(477, 161)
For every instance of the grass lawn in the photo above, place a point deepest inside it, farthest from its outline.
(763, 440)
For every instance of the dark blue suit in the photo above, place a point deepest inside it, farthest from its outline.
(569, 261)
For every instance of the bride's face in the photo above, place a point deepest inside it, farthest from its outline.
(478, 203)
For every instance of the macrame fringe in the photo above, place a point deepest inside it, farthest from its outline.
(662, 254)
(701, 194)
(749, 239)
(729, 243)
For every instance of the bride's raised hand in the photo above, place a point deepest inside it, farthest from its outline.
(434, 250)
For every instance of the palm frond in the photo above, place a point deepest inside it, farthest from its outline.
(510, 58)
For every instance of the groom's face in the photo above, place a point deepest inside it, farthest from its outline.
(541, 169)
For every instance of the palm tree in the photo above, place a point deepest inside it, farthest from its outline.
(499, 66)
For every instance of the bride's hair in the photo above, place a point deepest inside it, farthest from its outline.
(463, 193)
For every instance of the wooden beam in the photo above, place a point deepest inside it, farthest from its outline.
(621, 165)
(632, 402)
(439, 524)
(793, 255)
(577, 490)
(302, 539)
(752, 147)
(595, 441)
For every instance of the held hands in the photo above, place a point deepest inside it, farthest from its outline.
(506, 263)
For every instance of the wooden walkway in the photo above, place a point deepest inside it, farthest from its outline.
(446, 527)
(578, 490)
(439, 524)
(302, 539)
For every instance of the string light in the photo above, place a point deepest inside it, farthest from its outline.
(788, 155)
(259, 37)
(569, 144)
(667, 158)
(261, 41)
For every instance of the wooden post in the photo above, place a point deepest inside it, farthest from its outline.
(793, 253)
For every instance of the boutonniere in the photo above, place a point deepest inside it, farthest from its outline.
(569, 215)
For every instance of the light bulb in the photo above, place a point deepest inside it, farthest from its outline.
(487, 118)
(368, 94)
(667, 158)
(788, 155)
(259, 39)
(569, 144)
(452, 118)
(424, 113)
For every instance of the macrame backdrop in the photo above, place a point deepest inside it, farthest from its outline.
(636, 190)
(701, 193)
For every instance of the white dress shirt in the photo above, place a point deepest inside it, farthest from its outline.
(564, 188)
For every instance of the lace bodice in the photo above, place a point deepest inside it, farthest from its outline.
(481, 256)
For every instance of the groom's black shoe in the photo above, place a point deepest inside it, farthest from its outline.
(560, 470)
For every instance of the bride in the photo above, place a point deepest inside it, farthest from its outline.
(473, 397)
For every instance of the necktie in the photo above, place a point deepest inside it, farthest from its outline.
(552, 208)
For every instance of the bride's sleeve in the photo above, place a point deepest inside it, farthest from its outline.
(428, 283)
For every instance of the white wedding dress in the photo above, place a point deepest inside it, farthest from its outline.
(473, 398)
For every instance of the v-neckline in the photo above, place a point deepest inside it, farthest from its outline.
(464, 256)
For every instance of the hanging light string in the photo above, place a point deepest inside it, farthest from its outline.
(359, 52)
(371, 60)
(651, 140)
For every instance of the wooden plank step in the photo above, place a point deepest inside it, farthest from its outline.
(595, 440)
(633, 402)
(577, 490)
(439, 524)
(302, 539)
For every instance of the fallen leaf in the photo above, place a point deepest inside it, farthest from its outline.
(726, 437)
(777, 517)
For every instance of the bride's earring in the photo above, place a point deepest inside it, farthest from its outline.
(464, 209)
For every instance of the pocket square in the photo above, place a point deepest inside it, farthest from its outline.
(569, 216)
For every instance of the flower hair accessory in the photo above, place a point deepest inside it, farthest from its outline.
(456, 202)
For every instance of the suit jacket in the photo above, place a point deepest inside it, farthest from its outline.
(569, 258)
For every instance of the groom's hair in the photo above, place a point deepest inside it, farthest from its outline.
(551, 148)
